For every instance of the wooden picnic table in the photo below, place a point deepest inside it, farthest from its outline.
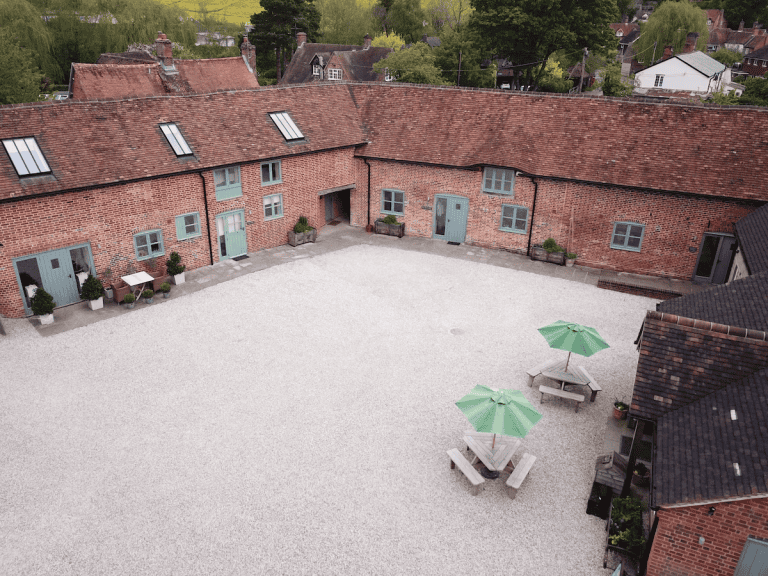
(496, 459)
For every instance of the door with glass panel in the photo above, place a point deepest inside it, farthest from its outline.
(450, 221)
(230, 228)
(715, 258)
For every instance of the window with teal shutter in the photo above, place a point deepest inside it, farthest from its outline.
(499, 181)
(514, 218)
(188, 226)
(227, 181)
(627, 236)
(148, 244)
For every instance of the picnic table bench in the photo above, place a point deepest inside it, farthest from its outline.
(578, 398)
(472, 475)
(593, 385)
(519, 474)
(533, 372)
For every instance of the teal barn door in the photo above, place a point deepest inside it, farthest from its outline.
(451, 214)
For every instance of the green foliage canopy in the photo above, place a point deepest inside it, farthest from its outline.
(344, 21)
(528, 32)
(462, 40)
(19, 75)
(415, 64)
(670, 24)
(613, 84)
(727, 57)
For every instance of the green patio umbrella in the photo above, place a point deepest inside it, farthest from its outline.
(505, 412)
(574, 338)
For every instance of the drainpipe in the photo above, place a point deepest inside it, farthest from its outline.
(369, 194)
(533, 212)
(207, 221)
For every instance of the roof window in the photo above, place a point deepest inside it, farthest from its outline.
(286, 125)
(175, 139)
(26, 156)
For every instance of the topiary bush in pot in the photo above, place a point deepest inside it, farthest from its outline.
(93, 291)
(42, 305)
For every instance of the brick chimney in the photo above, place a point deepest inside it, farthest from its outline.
(367, 41)
(690, 42)
(668, 52)
(164, 50)
(301, 38)
(741, 26)
(248, 51)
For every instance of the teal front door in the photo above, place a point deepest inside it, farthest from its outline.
(450, 218)
(60, 272)
(231, 231)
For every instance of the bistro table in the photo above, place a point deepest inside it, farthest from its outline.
(139, 279)
(496, 459)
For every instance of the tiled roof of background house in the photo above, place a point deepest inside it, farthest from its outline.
(752, 231)
(706, 452)
(119, 141)
(682, 360)
(675, 147)
(133, 57)
(742, 303)
(358, 62)
(109, 81)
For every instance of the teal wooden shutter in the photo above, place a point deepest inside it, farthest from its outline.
(181, 229)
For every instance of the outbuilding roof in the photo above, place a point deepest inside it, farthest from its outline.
(752, 231)
(702, 63)
(714, 449)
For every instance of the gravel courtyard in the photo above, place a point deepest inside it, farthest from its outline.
(296, 420)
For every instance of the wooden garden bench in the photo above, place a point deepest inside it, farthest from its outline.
(520, 473)
(593, 385)
(561, 394)
(472, 475)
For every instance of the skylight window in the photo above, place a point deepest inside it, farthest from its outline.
(737, 469)
(733, 415)
(175, 139)
(26, 156)
(286, 125)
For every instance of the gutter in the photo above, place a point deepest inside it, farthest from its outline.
(207, 219)
(533, 213)
(368, 218)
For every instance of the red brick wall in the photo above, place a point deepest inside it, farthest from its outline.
(676, 549)
(108, 218)
(673, 223)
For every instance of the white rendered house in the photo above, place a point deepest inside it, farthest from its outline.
(691, 72)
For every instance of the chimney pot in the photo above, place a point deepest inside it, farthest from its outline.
(367, 41)
(301, 38)
(741, 26)
(668, 52)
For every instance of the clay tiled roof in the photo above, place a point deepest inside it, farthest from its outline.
(683, 360)
(108, 81)
(360, 63)
(134, 57)
(299, 70)
(752, 231)
(119, 141)
(698, 445)
(581, 138)
(742, 303)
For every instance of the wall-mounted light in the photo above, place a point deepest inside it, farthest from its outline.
(711, 511)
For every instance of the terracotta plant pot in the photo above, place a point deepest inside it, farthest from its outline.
(619, 414)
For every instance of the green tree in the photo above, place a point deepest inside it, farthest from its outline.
(392, 41)
(24, 22)
(19, 75)
(626, 8)
(669, 24)
(554, 78)
(755, 92)
(528, 32)
(407, 19)
(461, 41)
(748, 10)
(727, 57)
(415, 64)
(444, 14)
(613, 84)
(276, 26)
(344, 21)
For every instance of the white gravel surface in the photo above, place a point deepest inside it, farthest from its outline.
(296, 421)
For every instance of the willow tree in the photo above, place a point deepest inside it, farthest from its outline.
(670, 24)
(23, 21)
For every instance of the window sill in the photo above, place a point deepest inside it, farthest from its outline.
(499, 193)
(271, 183)
(158, 254)
(191, 237)
(393, 213)
(523, 232)
(625, 249)
(270, 218)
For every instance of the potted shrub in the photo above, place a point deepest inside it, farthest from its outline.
(641, 475)
(620, 410)
(42, 305)
(165, 288)
(626, 525)
(555, 252)
(108, 283)
(570, 258)
(148, 295)
(302, 232)
(93, 292)
(176, 268)
(389, 226)
(129, 300)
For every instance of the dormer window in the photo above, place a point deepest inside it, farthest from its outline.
(334, 73)
(286, 125)
(317, 70)
(175, 139)
(26, 156)
(619, 33)
(387, 76)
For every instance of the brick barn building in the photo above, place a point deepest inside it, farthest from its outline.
(108, 186)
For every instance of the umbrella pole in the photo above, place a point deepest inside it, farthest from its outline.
(566, 362)
(494, 442)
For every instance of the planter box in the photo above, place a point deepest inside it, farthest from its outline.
(297, 238)
(389, 229)
(179, 279)
(96, 304)
(158, 280)
(46, 319)
(120, 289)
(556, 258)
(538, 253)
